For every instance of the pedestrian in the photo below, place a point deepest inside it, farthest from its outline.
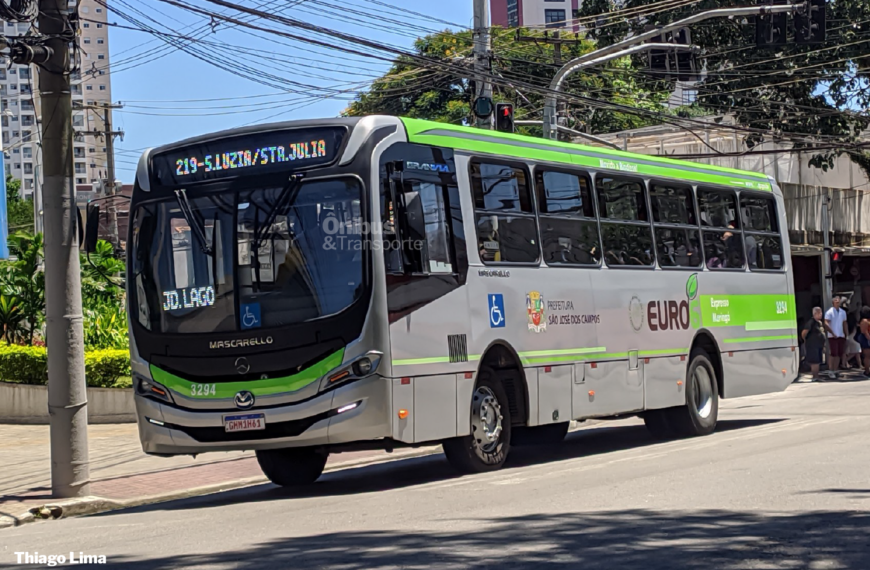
(862, 335)
(814, 341)
(835, 318)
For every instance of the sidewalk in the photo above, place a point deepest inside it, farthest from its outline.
(122, 475)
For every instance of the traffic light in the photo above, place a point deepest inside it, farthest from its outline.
(504, 117)
(809, 23)
(770, 29)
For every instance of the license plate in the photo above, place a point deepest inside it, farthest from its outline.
(247, 422)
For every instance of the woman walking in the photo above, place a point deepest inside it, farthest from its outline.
(862, 335)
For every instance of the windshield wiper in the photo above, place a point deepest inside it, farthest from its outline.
(285, 198)
(197, 229)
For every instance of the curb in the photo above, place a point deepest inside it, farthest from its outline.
(92, 505)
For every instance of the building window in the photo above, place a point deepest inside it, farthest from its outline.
(625, 230)
(17, 166)
(101, 41)
(89, 87)
(80, 168)
(26, 105)
(27, 152)
(78, 121)
(678, 241)
(554, 18)
(15, 151)
(76, 89)
(28, 168)
(86, 25)
(92, 150)
(81, 181)
(99, 26)
(26, 88)
(99, 10)
(761, 231)
(28, 183)
(504, 213)
(13, 87)
(24, 73)
(723, 242)
(86, 40)
(102, 87)
(513, 13)
(569, 230)
(78, 152)
(101, 56)
(27, 120)
(2, 73)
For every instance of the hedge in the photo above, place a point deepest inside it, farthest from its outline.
(29, 365)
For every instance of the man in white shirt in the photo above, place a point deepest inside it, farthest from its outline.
(835, 318)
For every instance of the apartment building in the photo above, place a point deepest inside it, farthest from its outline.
(556, 14)
(20, 109)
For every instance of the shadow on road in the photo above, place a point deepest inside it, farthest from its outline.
(422, 470)
(613, 540)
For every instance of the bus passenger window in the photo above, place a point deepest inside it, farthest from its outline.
(678, 241)
(763, 243)
(569, 232)
(625, 230)
(503, 213)
(723, 238)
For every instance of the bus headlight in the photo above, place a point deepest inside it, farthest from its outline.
(363, 366)
(151, 389)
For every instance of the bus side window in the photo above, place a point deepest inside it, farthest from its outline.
(723, 238)
(569, 231)
(761, 232)
(625, 231)
(504, 213)
(678, 241)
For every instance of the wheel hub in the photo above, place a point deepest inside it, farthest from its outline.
(703, 391)
(486, 419)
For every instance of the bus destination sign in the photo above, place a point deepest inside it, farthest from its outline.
(254, 154)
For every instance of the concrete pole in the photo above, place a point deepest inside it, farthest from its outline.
(67, 395)
(482, 47)
(110, 185)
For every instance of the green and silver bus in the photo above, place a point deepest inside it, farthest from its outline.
(311, 287)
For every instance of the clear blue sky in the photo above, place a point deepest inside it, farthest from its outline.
(170, 95)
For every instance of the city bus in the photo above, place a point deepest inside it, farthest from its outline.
(312, 287)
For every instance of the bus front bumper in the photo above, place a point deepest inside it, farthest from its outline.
(357, 411)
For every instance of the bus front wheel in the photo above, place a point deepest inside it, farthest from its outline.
(486, 447)
(292, 466)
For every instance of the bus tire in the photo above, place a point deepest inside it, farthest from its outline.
(293, 466)
(549, 434)
(657, 423)
(701, 412)
(486, 447)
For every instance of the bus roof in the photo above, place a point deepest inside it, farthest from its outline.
(520, 146)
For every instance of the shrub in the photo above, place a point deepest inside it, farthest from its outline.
(23, 364)
(103, 368)
(29, 365)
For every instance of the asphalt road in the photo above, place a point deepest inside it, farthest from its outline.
(783, 484)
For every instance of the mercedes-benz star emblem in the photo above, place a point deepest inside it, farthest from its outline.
(242, 366)
(244, 400)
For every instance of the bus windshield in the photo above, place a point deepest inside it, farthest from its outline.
(308, 264)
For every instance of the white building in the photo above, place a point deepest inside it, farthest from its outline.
(20, 109)
(556, 14)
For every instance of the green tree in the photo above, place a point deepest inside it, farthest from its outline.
(19, 212)
(809, 94)
(413, 90)
(22, 281)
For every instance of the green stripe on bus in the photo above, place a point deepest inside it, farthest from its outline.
(562, 351)
(770, 326)
(760, 338)
(518, 146)
(741, 310)
(664, 351)
(223, 390)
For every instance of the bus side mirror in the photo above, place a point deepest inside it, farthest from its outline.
(92, 229)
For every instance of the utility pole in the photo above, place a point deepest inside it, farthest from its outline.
(827, 270)
(67, 395)
(557, 42)
(108, 184)
(482, 48)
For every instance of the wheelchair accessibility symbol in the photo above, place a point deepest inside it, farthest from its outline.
(496, 311)
(250, 316)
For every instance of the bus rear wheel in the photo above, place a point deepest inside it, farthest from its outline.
(486, 447)
(293, 466)
(701, 412)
